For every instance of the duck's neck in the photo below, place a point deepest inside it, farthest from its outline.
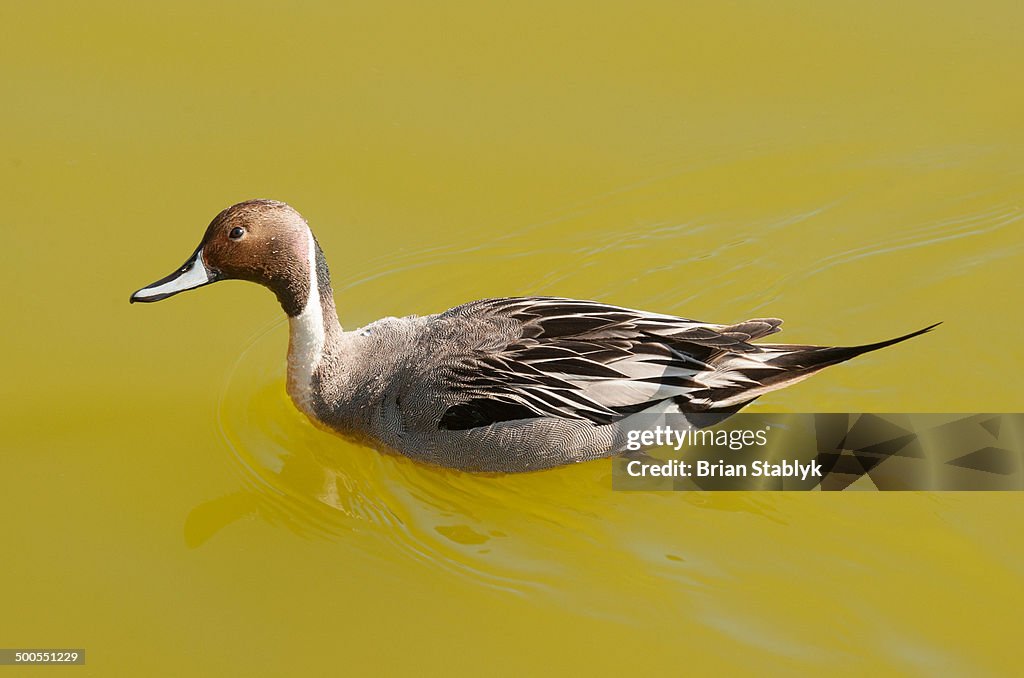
(313, 331)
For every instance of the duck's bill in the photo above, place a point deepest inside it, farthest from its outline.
(190, 276)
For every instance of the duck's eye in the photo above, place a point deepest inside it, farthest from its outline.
(236, 233)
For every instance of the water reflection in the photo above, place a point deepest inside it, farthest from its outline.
(540, 533)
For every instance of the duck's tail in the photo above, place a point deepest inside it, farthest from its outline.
(742, 377)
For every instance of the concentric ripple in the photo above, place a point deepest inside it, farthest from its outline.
(319, 484)
(539, 533)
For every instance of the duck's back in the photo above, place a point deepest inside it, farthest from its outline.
(524, 383)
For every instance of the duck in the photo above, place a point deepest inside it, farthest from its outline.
(502, 385)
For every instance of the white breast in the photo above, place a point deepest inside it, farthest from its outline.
(306, 340)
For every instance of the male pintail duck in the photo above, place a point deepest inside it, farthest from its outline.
(499, 385)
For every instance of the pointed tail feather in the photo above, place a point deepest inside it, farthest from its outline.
(819, 357)
(780, 365)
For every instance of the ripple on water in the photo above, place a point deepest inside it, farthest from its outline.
(316, 483)
(557, 534)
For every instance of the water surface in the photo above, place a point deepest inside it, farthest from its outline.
(854, 169)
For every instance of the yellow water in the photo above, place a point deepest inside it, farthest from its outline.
(854, 168)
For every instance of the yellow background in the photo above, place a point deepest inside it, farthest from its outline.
(854, 168)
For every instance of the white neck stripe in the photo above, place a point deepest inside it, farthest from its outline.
(306, 340)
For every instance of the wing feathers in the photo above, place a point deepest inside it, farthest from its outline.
(570, 359)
